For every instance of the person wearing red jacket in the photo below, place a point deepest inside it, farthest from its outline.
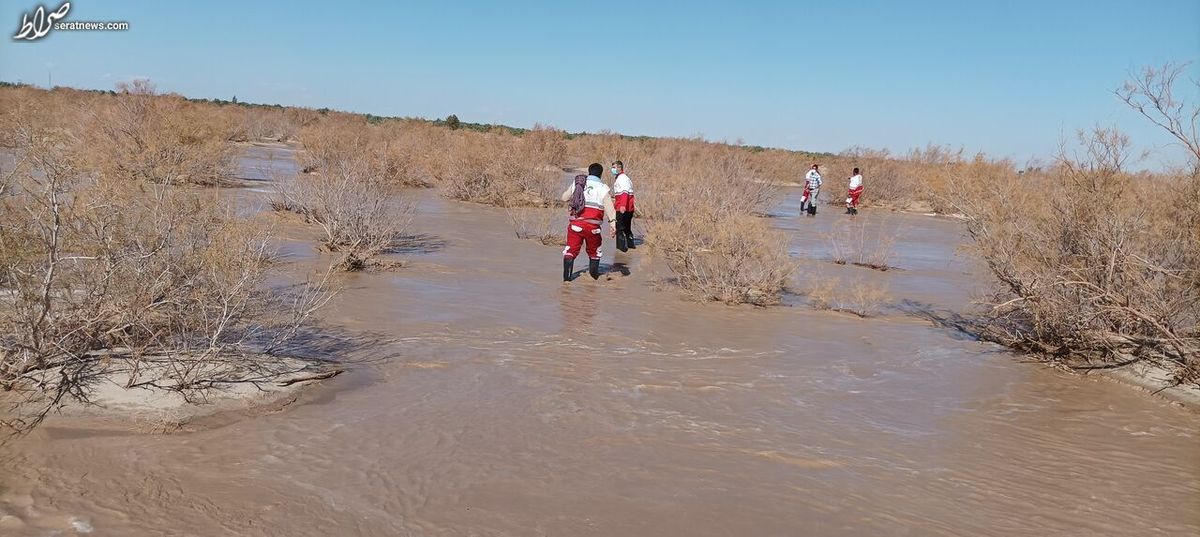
(623, 203)
(856, 190)
(591, 205)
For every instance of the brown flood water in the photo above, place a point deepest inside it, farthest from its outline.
(490, 399)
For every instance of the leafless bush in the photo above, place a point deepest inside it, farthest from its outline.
(861, 297)
(1097, 267)
(852, 243)
(724, 257)
(501, 170)
(146, 137)
(392, 152)
(546, 226)
(360, 210)
(110, 272)
(699, 211)
(679, 175)
(259, 124)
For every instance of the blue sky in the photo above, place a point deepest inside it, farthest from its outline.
(1009, 78)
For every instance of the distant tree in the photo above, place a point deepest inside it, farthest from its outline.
(235, 101)
(452, 122)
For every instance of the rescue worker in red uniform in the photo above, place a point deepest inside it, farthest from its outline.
(855, 191)
(623, 202)
(591, 206)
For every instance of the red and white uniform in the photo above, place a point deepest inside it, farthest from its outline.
(586, 228)
(856, 190)
(623, 194)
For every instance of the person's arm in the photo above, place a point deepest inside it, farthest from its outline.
(610, 213)
(566, 196)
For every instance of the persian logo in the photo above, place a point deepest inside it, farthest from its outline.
(41, 23)
(37, 23)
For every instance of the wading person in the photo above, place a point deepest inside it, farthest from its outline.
(591, 206)
(856, 190)
(812, 189)
(623, 202)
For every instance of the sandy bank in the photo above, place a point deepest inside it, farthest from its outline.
(1157, 381)
(151, 408)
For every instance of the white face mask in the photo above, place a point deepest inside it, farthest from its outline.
(615, 171)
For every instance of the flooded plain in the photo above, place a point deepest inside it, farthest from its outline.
(488, 398)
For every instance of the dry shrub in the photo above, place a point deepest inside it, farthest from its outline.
(724, 257)
(501, 169)
(393, 152)
(698, 202)
(546, 226)
(100, 274)
(1096, 266)
(158, 139)
(860, 297)
(359, 209)
(268, 124)
(851, 243)
(547, 146)
(673, 176)
(332, 139)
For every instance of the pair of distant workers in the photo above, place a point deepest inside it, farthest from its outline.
(812, 190)
(591, 206)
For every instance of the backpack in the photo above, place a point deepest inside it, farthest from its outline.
(577, 196)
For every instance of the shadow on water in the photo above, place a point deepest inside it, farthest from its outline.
(343, 347)
(418, 243)
(961, 328)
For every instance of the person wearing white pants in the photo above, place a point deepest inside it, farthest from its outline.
(812, 189)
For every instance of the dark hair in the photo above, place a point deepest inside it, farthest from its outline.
(595, 169)
(855, 171)
(619, 164)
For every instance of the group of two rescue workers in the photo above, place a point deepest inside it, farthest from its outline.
(591, 205)
(812, 189)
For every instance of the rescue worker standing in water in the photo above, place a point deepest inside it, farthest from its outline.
(623, 201)
(591, 206)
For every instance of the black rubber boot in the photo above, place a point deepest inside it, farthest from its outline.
(568, 268)
(629, 231)
(594, 268)
(622, 240)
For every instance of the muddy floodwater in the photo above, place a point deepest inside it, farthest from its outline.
(487, 398)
